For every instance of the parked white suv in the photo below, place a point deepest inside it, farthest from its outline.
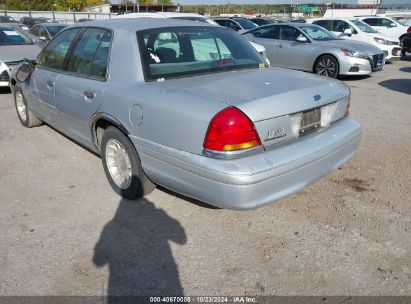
(354, 29)
(387, 26)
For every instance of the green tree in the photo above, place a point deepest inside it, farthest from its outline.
(34, 5)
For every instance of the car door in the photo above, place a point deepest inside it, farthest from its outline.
(79, 91)
(267, 36)
(49, 67)
(338, 28)
(291, 53)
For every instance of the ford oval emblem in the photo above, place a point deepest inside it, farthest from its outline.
(317, 97)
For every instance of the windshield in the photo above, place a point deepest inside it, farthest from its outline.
(245, 23)
(13, 36)
(185, 51)
(53, 30)
(363, 26)
(318, 33)
(402, 22)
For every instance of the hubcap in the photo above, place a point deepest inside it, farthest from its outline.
(326, 67)
(118, 163)
(21, 106)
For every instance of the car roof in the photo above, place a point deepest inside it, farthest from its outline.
(135, 24)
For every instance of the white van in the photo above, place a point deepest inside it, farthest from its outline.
(354, 29)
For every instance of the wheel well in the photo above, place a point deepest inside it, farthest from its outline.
(99, 128)
(316, 59)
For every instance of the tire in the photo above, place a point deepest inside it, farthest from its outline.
(119, 155)
(327, 65)
(26, 116)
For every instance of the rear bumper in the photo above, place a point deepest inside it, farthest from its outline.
(253, 181)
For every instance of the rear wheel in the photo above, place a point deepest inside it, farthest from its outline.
(26, 116)
(122, 165)
(327, 65)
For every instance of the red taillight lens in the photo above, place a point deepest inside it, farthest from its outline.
(409, 30)
(231, 130)
(347, 108)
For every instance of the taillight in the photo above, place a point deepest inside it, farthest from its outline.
(409, 30)
(347, 108)
(231, 130)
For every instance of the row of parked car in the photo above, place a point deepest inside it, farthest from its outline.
(327, 46)
(23, 39)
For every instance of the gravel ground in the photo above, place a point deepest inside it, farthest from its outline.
(64, 232)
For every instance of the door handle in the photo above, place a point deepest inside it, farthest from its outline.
(89, 94)
(280, 46)
(50, 83)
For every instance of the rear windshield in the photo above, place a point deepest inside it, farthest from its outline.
(13, 36)
(185, 51)
(53, 30)
(245, 23)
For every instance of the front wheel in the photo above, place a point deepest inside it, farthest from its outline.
(327, 65)
(26, 116)
(122, 165)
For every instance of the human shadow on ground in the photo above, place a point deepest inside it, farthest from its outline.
(399, 85)
(135, 246)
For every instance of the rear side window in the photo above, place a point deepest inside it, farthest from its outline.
(372, 21)
(289, 33)
(268, 32)
(324, 23)
(340, 26)
(90, 56)
(54, 54)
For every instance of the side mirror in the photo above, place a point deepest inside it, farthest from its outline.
(302, 39)
(24, 71)
(348, 32)
(392, 25)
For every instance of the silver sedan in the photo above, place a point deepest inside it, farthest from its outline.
(188, 106)
(312, 48)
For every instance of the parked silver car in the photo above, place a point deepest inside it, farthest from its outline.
(188, 106)
(311, 48)
(14, 47)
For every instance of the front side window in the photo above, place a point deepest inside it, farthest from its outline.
(386, 22)
(90, 56)
(54, 54)
(318, 33)
(42, 33)
(194, 50)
